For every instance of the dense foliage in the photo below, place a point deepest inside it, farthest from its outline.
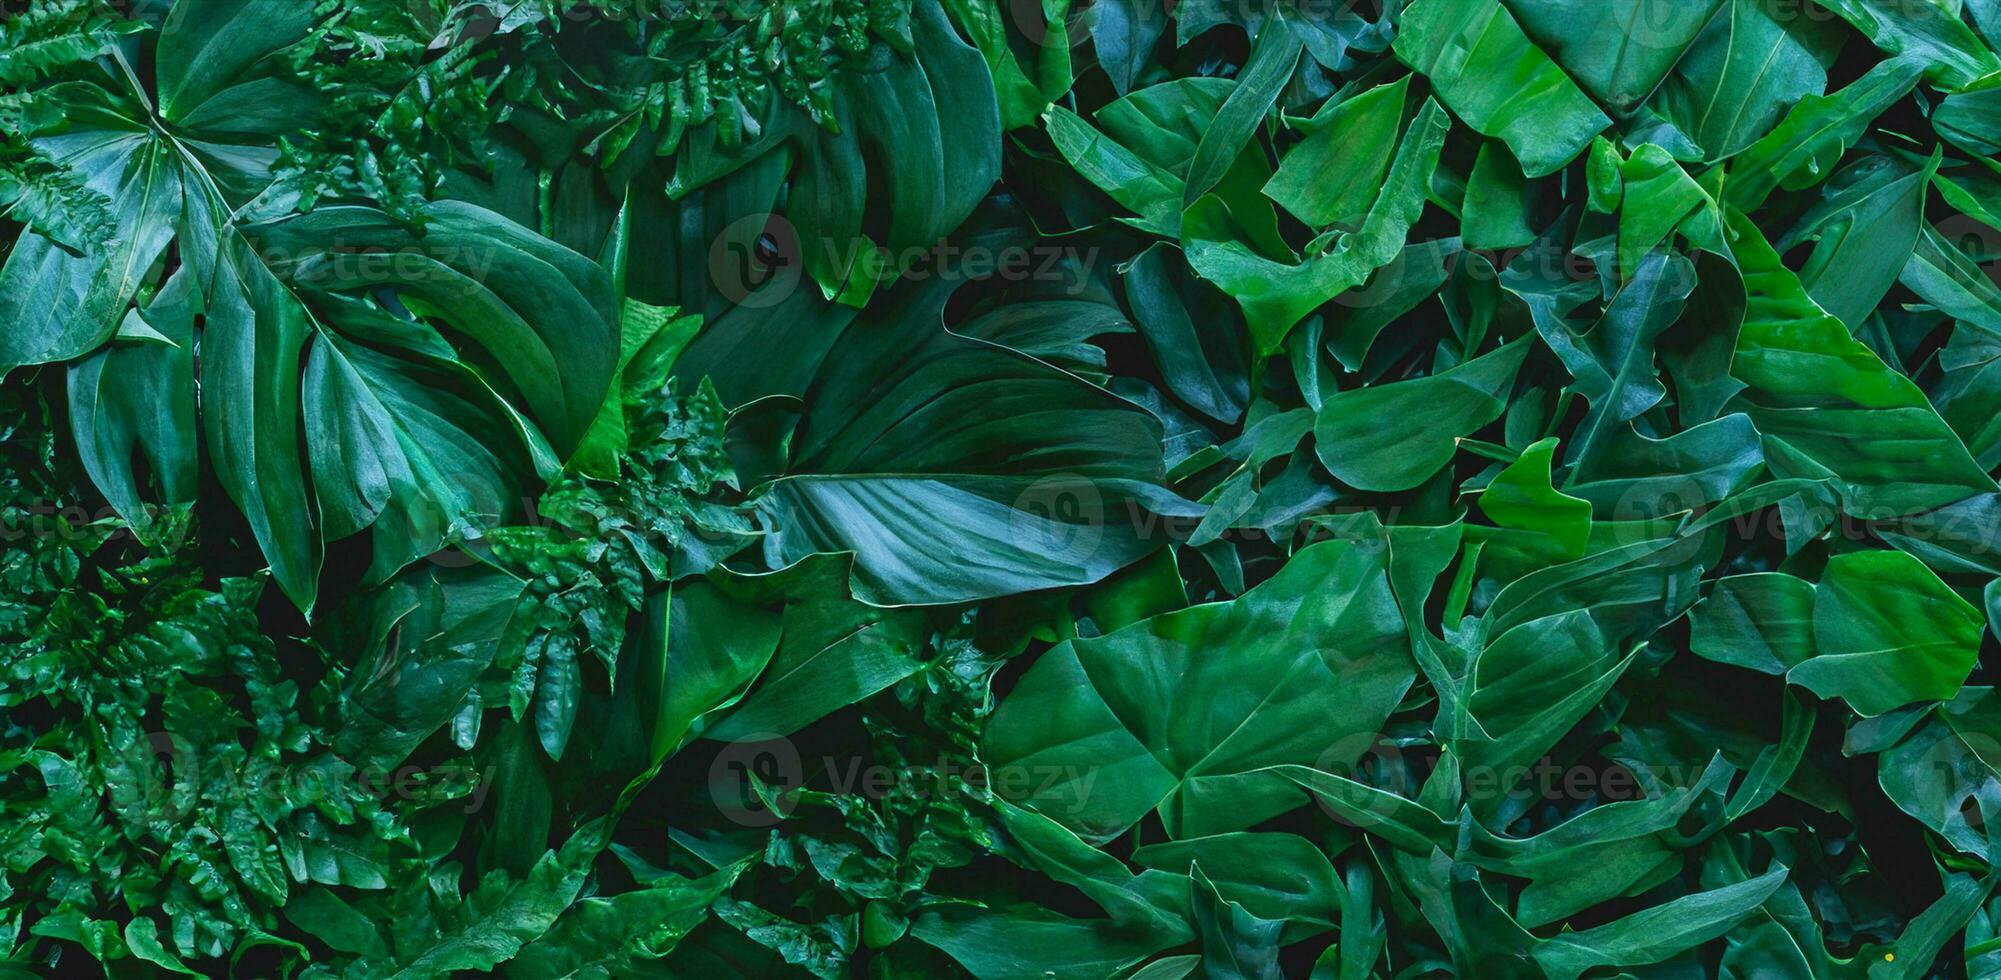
(928, 488)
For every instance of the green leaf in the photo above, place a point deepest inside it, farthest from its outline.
(1812, 388)
(1273, 57)
(1236, 945)
(1613, 362)
(606, 934)
(1752, 62)
(1487, 70)
(254, 334)
(1873, 214)
(1887, 633)
(210, 44)
(832, 651)
(1929, 32)
(1395, 436)
(1142, 187)
(1762, 621)
(424, 641)
(1497, 201)
(1539, 525)
(1191, 332)
(1350, 139)
(1803, 149)
(1944, 774)
(502, 915)
(542, 312)
(142, 937)
(138, 401)
(1270, 875)
(1659, 932)
(1618, 51)
(1124, 33)
(650, 339)
(1949, 279)
(59, 304)
(1658, 194)
(1277, 295)
(909, 419)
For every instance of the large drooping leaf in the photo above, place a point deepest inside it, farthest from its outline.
(415, 449)
(415, 435)
(956, 469)
(135, 401)
(158, 169)
(541, 313)
(254, 336)
(175, 186)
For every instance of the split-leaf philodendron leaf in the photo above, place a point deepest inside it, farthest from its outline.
(1115, 490)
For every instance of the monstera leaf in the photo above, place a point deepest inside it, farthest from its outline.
(402, 434)
(395, 422)
(914, 140)
(163, 170)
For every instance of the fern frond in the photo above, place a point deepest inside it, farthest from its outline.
(55, 202)
(51, 37)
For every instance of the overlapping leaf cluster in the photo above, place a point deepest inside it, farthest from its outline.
(1400, 488)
